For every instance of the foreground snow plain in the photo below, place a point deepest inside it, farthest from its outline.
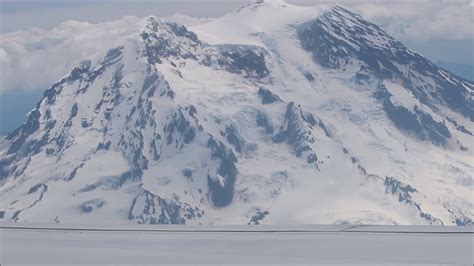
(254, 245)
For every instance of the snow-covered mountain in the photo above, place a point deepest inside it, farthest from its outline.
(274, 113)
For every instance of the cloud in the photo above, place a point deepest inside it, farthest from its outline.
(34, 59)
(422, 21)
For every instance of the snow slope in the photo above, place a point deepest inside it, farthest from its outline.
(272, 114)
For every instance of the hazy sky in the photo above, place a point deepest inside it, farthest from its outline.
(415, 19)
(24, 15)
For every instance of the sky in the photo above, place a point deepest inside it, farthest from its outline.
(36, 31)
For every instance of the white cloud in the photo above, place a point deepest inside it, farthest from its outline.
(34, 59)
(422, 21)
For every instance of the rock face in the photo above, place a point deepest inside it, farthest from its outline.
(268, 96)
(296, 131)
(414, 121)
(166, 128)
(339, 36)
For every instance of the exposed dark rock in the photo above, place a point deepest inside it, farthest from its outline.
(150, 84)
(309, 76)
(268, 96)
(90, 187)
(113, 55)
(464, 221)
(37, 187)
(394, 186)
(49, 151)
(159, 45)
(460, 127)
(257, 217)
(417, 122)
(78, 71)
(16, 215)
(154, 150)
(103, 146)
(156, 210)
(182, 31)
(264, 121)
(404, 191)
(39, 190)
(312, 158)
(222, 191)
(464, 130)
(6, 167)
(187, 172)
(295, 132)
(92, 204)
(74, 172)
(192, 213)
(165, 40)
(86, 209)
(246, 59)
(29, 127)
(363, 75)
(85, 123)
(234, 138)
(179, 123)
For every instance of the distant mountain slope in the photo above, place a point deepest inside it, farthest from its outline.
(271, 114)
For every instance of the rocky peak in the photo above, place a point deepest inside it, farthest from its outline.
(339, 39)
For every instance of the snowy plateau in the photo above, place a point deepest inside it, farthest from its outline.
(272, 114)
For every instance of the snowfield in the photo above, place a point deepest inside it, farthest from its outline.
(272, 114)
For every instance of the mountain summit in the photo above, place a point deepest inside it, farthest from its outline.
(274, 113)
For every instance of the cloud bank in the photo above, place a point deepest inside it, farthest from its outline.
(36, 58)
(422, 21)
